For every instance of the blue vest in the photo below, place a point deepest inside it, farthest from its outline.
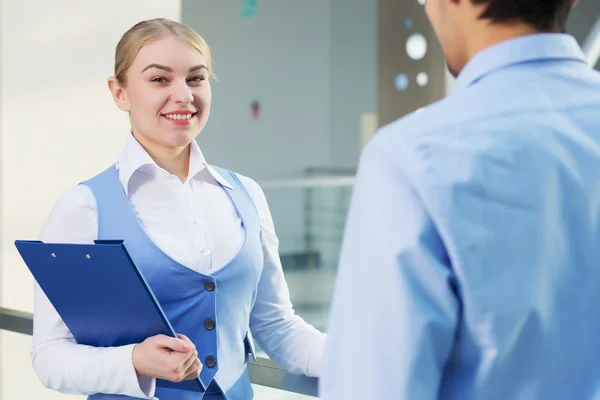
(212, 310)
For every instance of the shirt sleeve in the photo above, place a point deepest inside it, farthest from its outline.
(60, 363)
(286, 338)
(394, 310)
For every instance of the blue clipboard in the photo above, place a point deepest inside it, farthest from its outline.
(100, 294)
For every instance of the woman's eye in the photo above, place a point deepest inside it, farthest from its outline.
(159, 79)
(196, 79)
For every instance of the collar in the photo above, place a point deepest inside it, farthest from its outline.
(537, 47)
(198, 163)
(134, 157)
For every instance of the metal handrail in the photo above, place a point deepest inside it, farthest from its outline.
(263, 371)
(309, 183)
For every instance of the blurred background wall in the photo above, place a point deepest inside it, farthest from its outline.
(324, 73)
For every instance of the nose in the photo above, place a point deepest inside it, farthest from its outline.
(182, 93)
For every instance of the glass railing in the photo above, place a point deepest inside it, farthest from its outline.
(309, 215)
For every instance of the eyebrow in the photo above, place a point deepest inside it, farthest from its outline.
(169, 69)
(198, 67)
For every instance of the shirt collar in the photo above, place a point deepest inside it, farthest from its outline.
(198, 163)
(134, 156)
(537, 47)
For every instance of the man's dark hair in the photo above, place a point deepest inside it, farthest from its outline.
(544, 15)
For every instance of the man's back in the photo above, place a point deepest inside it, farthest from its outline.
(519, 169)
(507, 171)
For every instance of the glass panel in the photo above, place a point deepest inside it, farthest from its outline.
(18, 380)
(309, 216)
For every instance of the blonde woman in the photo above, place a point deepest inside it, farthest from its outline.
(202, 236)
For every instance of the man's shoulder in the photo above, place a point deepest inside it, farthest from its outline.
(460, 115)
(429, 144)
(422, 125)
(403, 145)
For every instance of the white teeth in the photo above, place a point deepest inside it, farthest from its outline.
(179, 116)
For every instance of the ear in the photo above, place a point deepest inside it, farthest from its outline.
(118, 93)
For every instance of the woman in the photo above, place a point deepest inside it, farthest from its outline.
(202, 236)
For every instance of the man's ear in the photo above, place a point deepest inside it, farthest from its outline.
(118, 93)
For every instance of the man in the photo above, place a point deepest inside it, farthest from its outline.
(471, 261)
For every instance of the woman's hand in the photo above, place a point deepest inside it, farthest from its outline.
(168, 358)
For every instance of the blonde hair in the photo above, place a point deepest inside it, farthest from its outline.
(145, 32)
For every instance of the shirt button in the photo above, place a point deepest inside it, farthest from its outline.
(209, 324)
(207, 252)
(209, 285)
(210, 362)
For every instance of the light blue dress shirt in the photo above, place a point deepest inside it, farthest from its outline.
(470, 267)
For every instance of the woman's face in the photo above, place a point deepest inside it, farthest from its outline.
(167, 93)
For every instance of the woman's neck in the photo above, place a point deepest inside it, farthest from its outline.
(174, 160)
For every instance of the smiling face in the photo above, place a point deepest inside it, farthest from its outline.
(166, 91)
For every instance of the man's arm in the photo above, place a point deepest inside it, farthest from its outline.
(394, 311)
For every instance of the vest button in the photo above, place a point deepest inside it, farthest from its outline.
(209, 324)
(210, 362)
(209, 285)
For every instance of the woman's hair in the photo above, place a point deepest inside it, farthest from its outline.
(150, 31)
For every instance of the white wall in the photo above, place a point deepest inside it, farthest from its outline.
(279, 57)
(58, 126)
(353, 82)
